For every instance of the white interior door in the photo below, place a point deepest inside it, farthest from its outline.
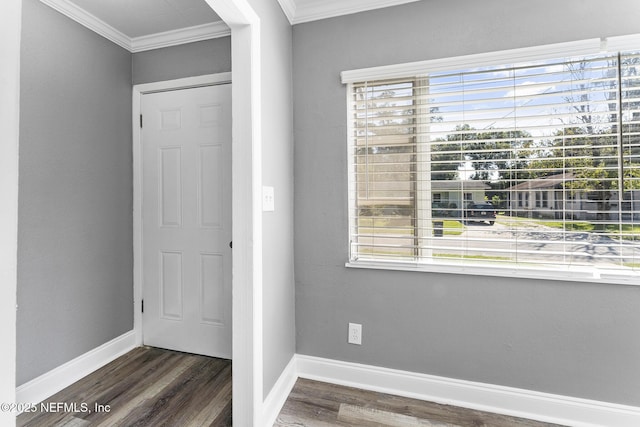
(186, 220)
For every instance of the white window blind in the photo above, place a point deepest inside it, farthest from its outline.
(532, 165)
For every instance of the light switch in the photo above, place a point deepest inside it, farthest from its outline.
(268, 201)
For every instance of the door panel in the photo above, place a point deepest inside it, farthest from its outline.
(170, 182)
(186, 215)
(211, 271)
(171, 286)
(210, 186)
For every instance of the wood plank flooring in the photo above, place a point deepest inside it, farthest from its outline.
(155, 387)
(145, 387)
(318, 404)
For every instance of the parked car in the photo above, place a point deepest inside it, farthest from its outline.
(445, 210)
(480, 212)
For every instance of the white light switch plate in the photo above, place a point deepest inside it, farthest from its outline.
(268, 200)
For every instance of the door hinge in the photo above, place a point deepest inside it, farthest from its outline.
(140, 120)
(142, 306)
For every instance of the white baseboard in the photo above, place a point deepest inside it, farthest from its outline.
(278, 395)
(486, 397)
(50, 383)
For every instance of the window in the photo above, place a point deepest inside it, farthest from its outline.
(561, 130)
(542, 199)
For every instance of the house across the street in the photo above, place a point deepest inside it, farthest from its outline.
(551, 197)
(457, 193)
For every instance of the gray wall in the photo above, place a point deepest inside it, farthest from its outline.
(277, 171)
(75, 196)
(188, 60)
(575, 339)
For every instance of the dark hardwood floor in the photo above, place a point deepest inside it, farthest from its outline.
(155, 387)
(318, 404)
(145, 387)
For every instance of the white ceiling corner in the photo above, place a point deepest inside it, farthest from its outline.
(151, 24)
(144, 42)
(289, 9)
(313, 10)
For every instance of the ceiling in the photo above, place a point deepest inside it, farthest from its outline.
(139, 25)
(136, 18)
(299, 11)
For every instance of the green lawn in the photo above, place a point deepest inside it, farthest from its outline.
(480, 257)
(569, 226)
(402, 227)
(452, 228)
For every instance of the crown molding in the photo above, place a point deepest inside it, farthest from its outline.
(180, 36)
(331, 8)
(295, 13)
(143, 43)
(289, 8)
(90, 21)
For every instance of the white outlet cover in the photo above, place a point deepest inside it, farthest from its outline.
(268, 199)
(355, 334)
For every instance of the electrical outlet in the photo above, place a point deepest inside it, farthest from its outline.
(355, 333)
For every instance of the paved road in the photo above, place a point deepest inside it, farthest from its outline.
(532, 241)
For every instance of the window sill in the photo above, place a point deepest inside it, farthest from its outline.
(631, 278)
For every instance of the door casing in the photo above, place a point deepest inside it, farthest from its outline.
(138, 91)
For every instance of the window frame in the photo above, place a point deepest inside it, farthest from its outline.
(418, 69)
